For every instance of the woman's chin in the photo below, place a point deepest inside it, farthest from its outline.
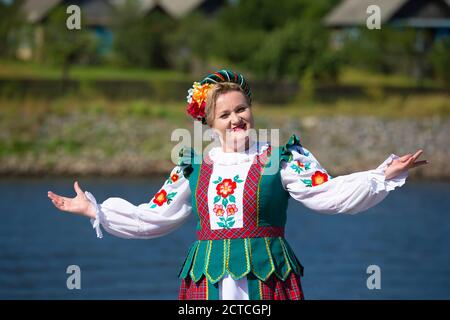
(238, 140)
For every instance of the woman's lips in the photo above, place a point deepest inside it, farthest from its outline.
(241, 127)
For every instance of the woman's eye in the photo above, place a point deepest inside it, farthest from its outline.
(223, 116)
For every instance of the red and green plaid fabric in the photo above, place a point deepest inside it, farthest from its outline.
(271, 289)
(250, 228)
(191, 290)
(277, 289)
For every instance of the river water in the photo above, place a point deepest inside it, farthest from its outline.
(407, 236)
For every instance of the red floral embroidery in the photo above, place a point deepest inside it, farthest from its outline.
(226, 187)
(218, 210)
(319, 178)
(301, 165)
(231, 209)
(174, 177)
(160, 198)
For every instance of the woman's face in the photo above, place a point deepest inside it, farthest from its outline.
(232, 120)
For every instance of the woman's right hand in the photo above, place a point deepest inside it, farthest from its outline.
(79, 205)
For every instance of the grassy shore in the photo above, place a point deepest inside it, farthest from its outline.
(32, 70)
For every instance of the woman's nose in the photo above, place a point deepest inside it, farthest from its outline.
(234, 118)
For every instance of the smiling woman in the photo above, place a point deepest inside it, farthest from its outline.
(241, 251)
(228, 113)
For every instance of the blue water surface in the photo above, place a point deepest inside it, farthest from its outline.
(407, 236)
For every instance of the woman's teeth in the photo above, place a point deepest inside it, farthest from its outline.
(241, 127)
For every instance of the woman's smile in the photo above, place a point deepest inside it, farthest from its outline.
(240, 127)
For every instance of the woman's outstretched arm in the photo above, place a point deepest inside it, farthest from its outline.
(309, 183)
(164, 213)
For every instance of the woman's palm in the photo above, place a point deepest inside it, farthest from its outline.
(79, 204)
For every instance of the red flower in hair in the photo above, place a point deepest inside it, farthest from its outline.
(197, 100)
(195, 110)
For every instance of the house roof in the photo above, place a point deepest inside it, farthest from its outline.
(36, 10)
(174, 8)
(99, 11)
(179, 8)
(354, 12)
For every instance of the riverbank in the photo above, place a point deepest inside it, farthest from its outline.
(96, 137)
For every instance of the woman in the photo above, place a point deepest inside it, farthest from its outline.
(241, 252)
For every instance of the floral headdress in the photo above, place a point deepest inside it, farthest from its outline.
(196, 98)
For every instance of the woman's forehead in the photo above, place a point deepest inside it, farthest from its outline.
(230, 100)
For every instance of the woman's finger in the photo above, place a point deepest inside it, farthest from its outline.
(417, 154)
(77, 188)
(419, 163)
(52, 195)
(405, 157)
(57, 204)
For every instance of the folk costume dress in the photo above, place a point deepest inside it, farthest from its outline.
(241, 251)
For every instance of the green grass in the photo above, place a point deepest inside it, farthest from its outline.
(19, 70)
(352, 76)
(412, 106)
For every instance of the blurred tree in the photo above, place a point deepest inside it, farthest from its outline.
(261, 15)
(277, 38)
(64, 47)
(439, 59)
(191, 40)
(380, 50)
(298, 47)
(11, 21)
(141, 41)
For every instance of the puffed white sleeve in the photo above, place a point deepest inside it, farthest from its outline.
(166, 211)
(307, 182)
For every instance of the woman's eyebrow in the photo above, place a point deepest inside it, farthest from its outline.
(237, 107)
(240, 106)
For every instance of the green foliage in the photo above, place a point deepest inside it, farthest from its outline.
(277, 39)
(261, 15)
(11, 22)
(293, 49)
(141, 41)
(190, 39)
(439, 58)
(388, 50)
(64, 47)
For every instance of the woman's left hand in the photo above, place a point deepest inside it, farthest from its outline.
(403, 163)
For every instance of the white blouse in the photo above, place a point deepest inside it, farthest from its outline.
(352, 193)
(303, 177)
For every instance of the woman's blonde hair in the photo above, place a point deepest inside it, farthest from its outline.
(214, 93)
